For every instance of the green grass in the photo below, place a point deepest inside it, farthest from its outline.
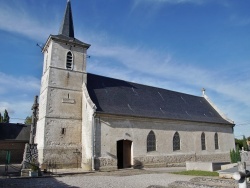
(197, 173)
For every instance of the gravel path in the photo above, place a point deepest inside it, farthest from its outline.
(120, 179)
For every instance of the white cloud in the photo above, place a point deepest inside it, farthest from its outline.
(171, 2)
(134, 63)
(154, 5)
(17, 110)
(227, 91)
(161, 66)
(17, 95)
(20, 20)
(22, 83)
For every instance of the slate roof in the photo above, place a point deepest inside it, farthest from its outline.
(113, 96)
(67, 26)
(66, 31)
(70, 39)
(12, 131)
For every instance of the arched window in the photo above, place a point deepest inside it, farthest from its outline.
(69, 62)
(216, 141)
(176, 141)
(203, 141)
(151, 141)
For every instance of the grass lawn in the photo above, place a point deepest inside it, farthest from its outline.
(197, 173)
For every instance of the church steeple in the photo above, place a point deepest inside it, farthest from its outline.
(67, 26)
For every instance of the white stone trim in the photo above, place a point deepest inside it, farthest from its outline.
(217, 109)
(86, 93)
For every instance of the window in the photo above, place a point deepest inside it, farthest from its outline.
(203, 141)
(151, 143)
(63, 131)
(216, 142)
(176, 141)
(69, 63)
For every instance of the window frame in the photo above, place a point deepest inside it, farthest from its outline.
(176, 142)
(151, 141)
(216, 141)
(203, 141)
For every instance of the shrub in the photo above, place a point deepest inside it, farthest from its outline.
(235, 155)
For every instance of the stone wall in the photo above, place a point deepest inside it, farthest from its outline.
(110, 129)
(88, 111)
(59, 128)
(103, 163)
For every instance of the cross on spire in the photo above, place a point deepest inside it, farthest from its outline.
(67, 26)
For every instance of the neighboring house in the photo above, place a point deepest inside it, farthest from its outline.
(110, 123)
(13, 138)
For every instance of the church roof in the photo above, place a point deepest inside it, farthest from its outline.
(119, 97)
(70, 39)
(67, 26)
(66, 32)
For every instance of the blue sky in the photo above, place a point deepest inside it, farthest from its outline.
(181, 45)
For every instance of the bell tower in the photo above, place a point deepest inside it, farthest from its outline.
(60, 103)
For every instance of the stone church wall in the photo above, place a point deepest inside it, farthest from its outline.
(59, 128)
(88, 109)
(111, 129)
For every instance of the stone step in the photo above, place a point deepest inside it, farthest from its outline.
(25, 172)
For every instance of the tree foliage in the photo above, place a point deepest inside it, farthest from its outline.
(242, 143)
(245, 146)
(1, 118)
(235, 155)
(239, 143)
(6, 118)
(28, 120)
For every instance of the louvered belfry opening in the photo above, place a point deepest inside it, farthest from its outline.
(69, 60)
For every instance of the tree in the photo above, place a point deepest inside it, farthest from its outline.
(245, 146)
(28, 120)
(235, 155)
(239, 143)
(6, 118)
(1, 118)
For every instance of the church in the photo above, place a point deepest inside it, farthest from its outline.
(97, 123)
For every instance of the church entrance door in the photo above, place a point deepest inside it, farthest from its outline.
(123, 148)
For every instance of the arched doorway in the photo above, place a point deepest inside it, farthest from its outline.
(123, 148)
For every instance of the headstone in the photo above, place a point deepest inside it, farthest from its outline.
(245, 157)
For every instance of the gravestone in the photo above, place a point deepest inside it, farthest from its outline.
(245, 157)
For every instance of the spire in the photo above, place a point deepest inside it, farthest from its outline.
(67, 27)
